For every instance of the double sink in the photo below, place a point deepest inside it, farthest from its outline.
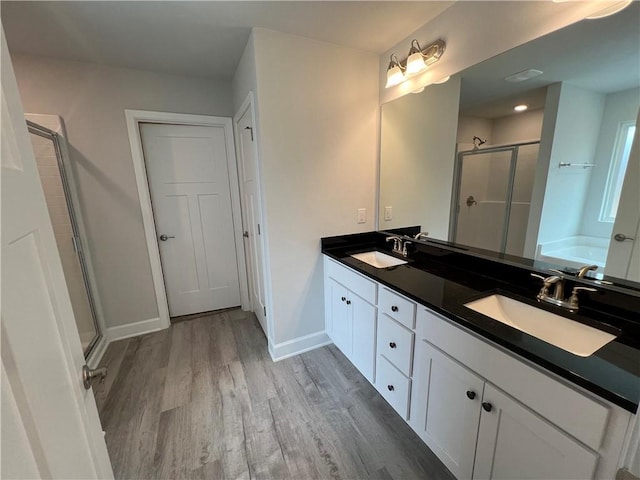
(572, 336)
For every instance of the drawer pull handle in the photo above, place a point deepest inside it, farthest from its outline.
(390, 387)
(471, 394)
(343, 298)
(348, 302)
(487, 406)
(392, 344)
(394, 308)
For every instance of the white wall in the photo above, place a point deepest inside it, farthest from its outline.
(417, 157)
(477, 30)
(578, 116)
(619, 107)
(469, 127)
(522, 127)
(318, 125)
(91, 99)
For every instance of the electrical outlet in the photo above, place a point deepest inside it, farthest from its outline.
(388, 213)
(362, 215)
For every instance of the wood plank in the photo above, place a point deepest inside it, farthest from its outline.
(177, 391)
(204, 400)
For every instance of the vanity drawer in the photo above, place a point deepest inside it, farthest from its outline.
(361, 286)
(393, 386)
(395, 343)
(397, 307)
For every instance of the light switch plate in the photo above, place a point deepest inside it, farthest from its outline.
(362, 215)
(388, 213)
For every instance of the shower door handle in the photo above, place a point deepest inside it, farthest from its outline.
(621, 237)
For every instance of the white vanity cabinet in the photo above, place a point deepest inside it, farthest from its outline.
(480, 432)
(350, 315)
(395, 343)
(488, 415)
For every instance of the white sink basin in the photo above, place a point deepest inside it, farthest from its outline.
(378, 259)
(574, 337)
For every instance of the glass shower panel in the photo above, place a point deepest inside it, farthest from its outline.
(63, 229)
(527, 157)
(483, 198)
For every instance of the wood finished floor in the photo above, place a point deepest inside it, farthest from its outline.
(203, 400)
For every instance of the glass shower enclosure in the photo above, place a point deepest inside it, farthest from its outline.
(492, 197)
(62, 212)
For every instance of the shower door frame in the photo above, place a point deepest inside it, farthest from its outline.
(457, 183)
(44, 132)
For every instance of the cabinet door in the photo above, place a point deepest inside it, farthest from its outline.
(363, 335)
(445, 408)
(513, 442)
(339, 317)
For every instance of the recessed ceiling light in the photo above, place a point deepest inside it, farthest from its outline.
(520, 108)
(524, 75)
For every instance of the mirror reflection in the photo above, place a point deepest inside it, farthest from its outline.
(532, 153)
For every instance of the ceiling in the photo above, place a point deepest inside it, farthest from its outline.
(199, 38)
(600, 55)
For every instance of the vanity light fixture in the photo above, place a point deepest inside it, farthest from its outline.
(416, 62)
(395, 72)
(520, 108)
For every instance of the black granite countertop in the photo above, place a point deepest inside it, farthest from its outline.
(444, 280)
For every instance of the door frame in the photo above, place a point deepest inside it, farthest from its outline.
(133, 119)
(249, 104)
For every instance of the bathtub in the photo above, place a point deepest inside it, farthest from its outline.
(575, 251)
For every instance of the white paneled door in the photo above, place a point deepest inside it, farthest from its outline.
(251, 214)
(623, 259)
(188, 173)
(50, 424)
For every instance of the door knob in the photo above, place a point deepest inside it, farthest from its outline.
(164, 237)
(487, 406)
(89, 374)
(621, 237)
(245, 234)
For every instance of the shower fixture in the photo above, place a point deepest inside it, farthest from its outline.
(479, 143)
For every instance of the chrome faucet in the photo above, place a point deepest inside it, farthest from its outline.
(583, 270)
(557, 298)
(399, 245)
(421, 235)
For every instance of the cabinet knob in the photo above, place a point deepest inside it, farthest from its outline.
(343, 298)
(390, 387)
(394, 308)
(348, 302)
(392, 344)
(471, 394)
(487, 406)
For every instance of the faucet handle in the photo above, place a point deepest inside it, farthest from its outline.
(555, 270)
(537, 275)
(404, 247)
(573, 300)
(586, 289)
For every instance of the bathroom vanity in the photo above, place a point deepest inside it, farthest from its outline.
(490, 400)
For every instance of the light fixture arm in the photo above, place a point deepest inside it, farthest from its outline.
(393, 62)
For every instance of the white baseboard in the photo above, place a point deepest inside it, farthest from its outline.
(98, 351)
(134, 329)
(290, 348)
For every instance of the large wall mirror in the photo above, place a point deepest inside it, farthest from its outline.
(532, 154)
